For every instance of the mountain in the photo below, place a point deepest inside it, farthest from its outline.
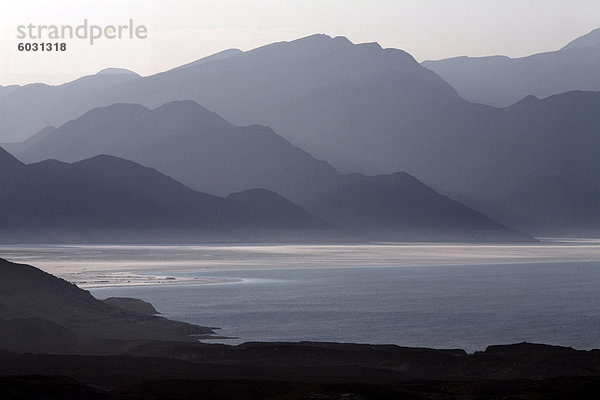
(377, 111)
(278, 207)
(501, 81)
(117, 71)
(16, 148)
(322, 94)
(7, 89)
(108, 199)
(40, 312)
(186, 141)
(538, 167)
(399, 207)
(8, 163)
(55, 104)
(590, 39)
(201, 149)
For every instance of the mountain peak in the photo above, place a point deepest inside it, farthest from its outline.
(527, 100)
(190, 107)
(187, 105)
(116, 110)
(322, 39)
(317, 37)
(116, 71)
(313, 45)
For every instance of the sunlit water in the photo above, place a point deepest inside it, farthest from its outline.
(443, 296)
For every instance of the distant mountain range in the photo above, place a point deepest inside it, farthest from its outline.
(531, 166)
(55, 104)
(373, 207)
(109, 199)
(186, 141)
(501, 81)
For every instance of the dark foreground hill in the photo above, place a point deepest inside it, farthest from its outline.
(42, 313)
(304, 371)
(59, 342)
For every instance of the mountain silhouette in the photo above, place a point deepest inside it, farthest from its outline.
(186, 141)
(501, 81)
(8, 163)
(108, 199)
(40, 312)
(55, 104)
(541, 166)
(374, 111)
(278, 207)
(398, 207)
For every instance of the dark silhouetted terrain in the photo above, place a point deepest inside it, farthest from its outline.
(59, 342)
(42, 313)
(307, 371)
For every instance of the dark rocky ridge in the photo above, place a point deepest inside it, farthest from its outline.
(135, 306)
(306, 371)
(38, 309)
(103, 352)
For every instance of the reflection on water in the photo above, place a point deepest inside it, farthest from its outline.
(441, 295)
(68, 259)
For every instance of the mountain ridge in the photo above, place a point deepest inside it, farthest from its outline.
(188, 142)
(109, 199)
(502, 81)
(377, 111)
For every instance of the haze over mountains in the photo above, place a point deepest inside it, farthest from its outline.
(55, 105)
(373, 207)
(109, 199)
(186, 141)
(501, 81)
(531, 166)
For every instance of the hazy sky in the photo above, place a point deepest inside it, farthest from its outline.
(185, 30)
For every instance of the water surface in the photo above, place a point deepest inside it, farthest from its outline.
(457, 306)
